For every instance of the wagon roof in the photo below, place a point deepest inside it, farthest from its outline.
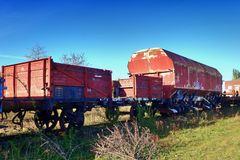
(192, 63)
(176, 59)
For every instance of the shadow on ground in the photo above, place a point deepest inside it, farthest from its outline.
(77, 144)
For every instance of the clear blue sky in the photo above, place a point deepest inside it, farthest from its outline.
(108, 32)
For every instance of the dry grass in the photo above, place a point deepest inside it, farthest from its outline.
(206, 136)
(8, 128)
(94, 117)
(126, 141)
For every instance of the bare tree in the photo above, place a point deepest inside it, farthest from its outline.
(74, 59)
(37, 52)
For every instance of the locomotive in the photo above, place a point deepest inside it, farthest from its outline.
(159, 80)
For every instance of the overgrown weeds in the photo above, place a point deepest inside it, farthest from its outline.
(126, 141)
(150, 131)
(47, 146)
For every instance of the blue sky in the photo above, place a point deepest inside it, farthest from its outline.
(108, 32)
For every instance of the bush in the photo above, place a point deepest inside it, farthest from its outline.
(126, 141)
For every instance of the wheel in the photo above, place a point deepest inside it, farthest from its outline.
(71, 118)
(112, 114)
(46, 120)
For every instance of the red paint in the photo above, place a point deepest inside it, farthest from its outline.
(139, 87)
(178, 72)
(36, 79)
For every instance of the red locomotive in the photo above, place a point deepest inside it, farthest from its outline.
(168, 82)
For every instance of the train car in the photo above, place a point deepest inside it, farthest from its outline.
(181, 76)
(159, 79)
(143, 87)
(138, 90)
(45, 86)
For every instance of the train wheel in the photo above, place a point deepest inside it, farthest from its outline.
(112, 114)
(46, 120)
(71, 118)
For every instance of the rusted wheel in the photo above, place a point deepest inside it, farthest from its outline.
(112, 114)
(46, 120)
(71, 118)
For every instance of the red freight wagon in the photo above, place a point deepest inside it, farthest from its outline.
(139, 87)
(44, 85)
(178, 72)
(44, 78)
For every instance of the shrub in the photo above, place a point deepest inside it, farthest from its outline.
(126, 141)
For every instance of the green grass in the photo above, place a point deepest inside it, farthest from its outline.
(218, 141)
(212, 137)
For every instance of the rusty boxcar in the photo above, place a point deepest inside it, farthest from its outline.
(159, 80)
(181, 76)
(44, 86)
(178, 72)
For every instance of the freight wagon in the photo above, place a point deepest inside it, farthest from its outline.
(139, 89)
(183, 79)
(44, 86)
(159, 80)
(47, 87)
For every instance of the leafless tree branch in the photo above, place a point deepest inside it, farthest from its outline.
(74, 59)
(37, 52)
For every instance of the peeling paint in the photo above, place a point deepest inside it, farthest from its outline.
(163, 53)
(98, 76)
(134, 55)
